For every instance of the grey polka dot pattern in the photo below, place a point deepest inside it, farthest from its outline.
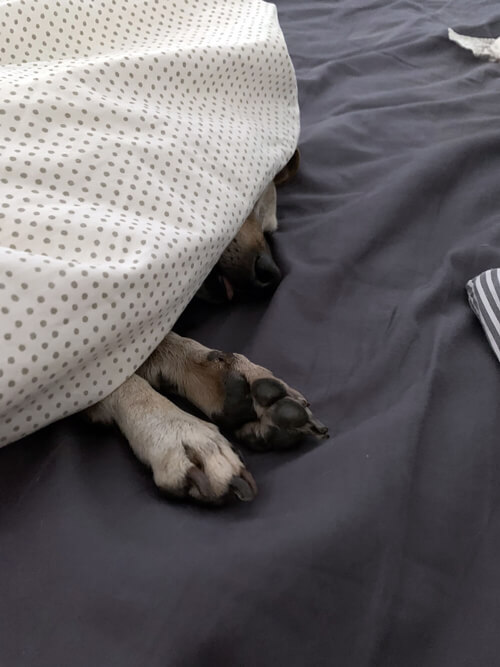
(134, 139)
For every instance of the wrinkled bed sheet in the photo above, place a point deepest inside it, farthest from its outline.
(380, 547)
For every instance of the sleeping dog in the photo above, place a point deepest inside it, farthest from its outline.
(190, 457)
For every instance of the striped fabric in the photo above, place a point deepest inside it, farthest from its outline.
(484, 298)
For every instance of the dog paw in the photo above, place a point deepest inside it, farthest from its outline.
(192, 459)
(263, 412)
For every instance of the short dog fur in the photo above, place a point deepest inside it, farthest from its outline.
(189, 457)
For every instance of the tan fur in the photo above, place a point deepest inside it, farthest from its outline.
(168, 440)
(186, 454)
(184, 364)
(241, 252)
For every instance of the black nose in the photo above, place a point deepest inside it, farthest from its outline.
(266, 272)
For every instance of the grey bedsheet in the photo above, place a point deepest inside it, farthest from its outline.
(382, 546)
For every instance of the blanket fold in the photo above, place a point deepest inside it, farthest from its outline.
(134, 140)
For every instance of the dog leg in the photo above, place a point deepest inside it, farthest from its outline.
(188, 457)
(243, 398)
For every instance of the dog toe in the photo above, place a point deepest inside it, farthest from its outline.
(198, 485)
(260, 410)
(267, 391)
(194, 460)
(288, 413)
(282, 419)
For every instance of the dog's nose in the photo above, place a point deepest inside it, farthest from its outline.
(266, 272)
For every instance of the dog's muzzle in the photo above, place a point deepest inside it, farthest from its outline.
(224, 286)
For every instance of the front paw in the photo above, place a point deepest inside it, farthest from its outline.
(192, 459)
(263, 412)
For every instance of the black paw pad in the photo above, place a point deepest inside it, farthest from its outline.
(288, 413)
(267, 391)
(238, 403)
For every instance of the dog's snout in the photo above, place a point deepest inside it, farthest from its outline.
(267, 274)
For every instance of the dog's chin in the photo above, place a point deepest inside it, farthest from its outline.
(218, 289)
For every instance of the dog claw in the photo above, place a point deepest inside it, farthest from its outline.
(318, 429)
(202, 484)
(248, 477)
(243, 487)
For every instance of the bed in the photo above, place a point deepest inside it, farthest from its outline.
(380, 546)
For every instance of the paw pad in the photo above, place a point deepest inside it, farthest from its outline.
(288, 413)
(267, 391)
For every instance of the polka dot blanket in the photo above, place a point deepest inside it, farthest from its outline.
(134, 139)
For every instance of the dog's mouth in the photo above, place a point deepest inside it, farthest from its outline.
(217, 288)
(260, 282)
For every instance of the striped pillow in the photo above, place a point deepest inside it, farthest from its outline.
(484, 298)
